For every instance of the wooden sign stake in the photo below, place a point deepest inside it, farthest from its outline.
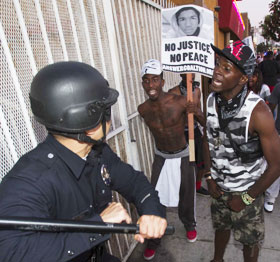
(190, 119)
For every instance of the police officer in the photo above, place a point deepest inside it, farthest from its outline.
(70, 175)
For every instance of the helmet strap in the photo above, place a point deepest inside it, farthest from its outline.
(104, 129)
(82, 136)
(87, 139)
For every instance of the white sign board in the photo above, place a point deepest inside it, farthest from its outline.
(187, 32)
(249, 42)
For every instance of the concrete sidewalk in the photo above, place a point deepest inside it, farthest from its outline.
(176, 248)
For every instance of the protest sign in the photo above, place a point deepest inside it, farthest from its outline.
(187, 32)
(249, 42)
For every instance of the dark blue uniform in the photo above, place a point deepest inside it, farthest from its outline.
(53, 182)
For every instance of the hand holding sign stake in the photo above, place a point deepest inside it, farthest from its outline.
(190, 119)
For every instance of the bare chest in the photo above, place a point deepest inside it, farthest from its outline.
(164, 117)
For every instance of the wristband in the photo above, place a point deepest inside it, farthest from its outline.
(247, 199)
(207, 175)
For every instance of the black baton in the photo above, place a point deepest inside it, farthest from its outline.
(49, 225)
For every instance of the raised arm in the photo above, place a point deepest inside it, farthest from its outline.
(134, 186)
(193, 107)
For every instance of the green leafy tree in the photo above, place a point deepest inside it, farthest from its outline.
(262, 47)
(271, 24)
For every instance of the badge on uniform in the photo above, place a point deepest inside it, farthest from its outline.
(105, 175)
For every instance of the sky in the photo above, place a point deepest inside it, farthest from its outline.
(256, 9)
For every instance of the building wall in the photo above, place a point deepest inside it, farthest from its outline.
(247, 23)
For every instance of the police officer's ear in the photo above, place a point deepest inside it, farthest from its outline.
(243, 80)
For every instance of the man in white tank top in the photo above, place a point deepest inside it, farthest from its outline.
(273, 191)
(241, 155)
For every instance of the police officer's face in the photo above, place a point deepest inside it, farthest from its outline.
(97, 132)
(188, 22)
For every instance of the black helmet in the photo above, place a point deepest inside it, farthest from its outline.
(71, 97)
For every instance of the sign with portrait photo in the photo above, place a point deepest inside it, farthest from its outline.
(187, 32)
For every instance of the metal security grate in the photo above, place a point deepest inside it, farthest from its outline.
(138, 32)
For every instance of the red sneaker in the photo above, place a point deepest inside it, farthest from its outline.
(149, 254)
(191, 236)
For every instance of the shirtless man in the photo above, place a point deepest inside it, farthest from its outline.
(181, 89)
(165, 115)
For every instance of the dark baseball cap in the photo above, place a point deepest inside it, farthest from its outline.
(240, 54)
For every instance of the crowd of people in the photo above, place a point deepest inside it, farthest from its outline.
(268, 87)
(237, 153)
(241, 145)
(241, 141)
